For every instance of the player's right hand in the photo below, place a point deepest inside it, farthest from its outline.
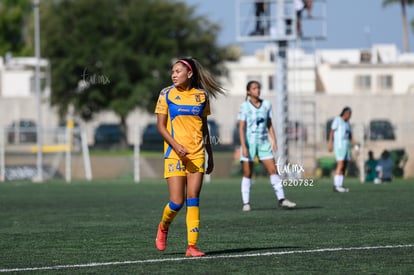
(330, 147)
(181, 151)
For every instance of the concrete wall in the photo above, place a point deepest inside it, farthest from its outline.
(122, 167)
(397, 108)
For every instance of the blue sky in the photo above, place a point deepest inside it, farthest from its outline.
(347, 23)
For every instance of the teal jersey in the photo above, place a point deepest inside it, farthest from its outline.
(342, 133)
(256, 121)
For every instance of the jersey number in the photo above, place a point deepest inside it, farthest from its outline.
(179, 166)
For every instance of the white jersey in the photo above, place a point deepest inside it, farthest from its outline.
(256, 121)
(342, 132)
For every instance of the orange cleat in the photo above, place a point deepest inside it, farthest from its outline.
(193, 252)
(161, 240)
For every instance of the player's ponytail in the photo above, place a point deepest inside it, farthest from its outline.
(202, 78)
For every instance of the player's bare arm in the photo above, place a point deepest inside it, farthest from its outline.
(272, 134)
(242, 131)
(162, 129)
(330, 141)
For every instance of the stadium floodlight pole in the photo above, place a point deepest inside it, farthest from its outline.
(284, 30)
(282, 100)
(39, 160)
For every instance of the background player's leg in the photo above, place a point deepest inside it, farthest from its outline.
(246, 184)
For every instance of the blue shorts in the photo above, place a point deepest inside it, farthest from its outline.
(261, 151)
(342, 153)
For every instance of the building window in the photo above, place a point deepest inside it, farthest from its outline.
(385, 83)
(363, 82)
(272, 57)
(271, 84)
(365, 56)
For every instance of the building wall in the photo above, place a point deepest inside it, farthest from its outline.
(396, 108)
(16, 83)
(335, 69)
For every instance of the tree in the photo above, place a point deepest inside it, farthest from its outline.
(403, 4)
(14, 15)
(116, 54)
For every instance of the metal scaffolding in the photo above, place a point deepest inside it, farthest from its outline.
(276, 21)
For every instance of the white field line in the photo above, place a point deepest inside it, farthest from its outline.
(321, 250)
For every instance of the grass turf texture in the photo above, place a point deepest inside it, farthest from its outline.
(54, 223)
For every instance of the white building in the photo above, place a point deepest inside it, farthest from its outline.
(18, 77)
(381, 69)
(18, 98)
(313, 77)
(377, 83)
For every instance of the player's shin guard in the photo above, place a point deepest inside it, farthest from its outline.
(276, 182)
(193, 220)
(170, 211)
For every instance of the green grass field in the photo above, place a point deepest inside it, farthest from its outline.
(109, 227)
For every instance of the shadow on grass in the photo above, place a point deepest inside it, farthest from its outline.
(247, 249)
(297, 208)
(238, 250)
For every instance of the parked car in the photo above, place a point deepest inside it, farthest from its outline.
(22, 131)
(108, 136)
(151, 138)
(381, 129)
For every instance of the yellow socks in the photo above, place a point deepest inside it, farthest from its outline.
(169, 213)
(193, 220)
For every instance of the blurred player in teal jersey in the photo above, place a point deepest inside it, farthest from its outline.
(340, 141)
(255, 129)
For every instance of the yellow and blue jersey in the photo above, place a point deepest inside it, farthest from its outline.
(185, 110)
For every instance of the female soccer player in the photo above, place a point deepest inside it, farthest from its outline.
(340, 139)
(182, 111)
(255, 128)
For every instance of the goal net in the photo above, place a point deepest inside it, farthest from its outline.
(60, 149)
